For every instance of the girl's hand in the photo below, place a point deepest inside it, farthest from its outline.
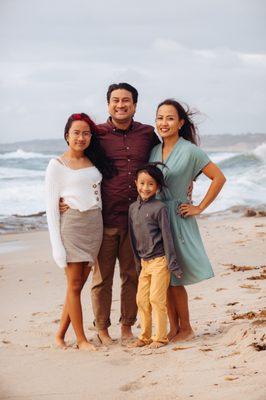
(188, 210)
(63, 207)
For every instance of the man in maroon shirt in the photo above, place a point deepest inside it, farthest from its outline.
(128, 144)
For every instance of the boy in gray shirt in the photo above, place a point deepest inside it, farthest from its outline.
(154, 253)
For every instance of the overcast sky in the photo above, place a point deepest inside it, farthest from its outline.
(58, 57)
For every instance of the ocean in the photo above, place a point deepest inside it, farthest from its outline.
(22, 171)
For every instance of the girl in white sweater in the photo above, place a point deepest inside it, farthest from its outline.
(76, 235)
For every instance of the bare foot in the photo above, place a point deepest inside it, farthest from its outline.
(171, 334)
(104, 337)
(126, 332)
(60, 342)
(137, 343)
(86, 346)
(157, 345)
(183, 335)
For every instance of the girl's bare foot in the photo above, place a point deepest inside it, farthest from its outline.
(137, 343)
(183, 335)
(60, 342)
(86, 346)
(156, 345)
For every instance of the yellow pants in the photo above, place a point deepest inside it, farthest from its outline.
(151, 297)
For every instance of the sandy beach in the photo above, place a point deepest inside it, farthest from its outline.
(225, 361)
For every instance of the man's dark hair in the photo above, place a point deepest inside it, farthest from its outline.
(155, 172)
(122, 85)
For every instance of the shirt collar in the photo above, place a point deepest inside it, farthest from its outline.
(116, 130)
(142, 202)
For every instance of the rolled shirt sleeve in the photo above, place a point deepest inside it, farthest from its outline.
(168, 243)
(133, 243)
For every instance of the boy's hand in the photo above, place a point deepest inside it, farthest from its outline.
(177, 274)
(63, 207)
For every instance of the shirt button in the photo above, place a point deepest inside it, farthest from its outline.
(128, 159)
(97, 198)
(94, 185)
(129, 186)
(96, 192)
(129, 173)
(129, 198)
(127, 148)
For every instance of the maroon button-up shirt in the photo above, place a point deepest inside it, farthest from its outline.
(128, 150)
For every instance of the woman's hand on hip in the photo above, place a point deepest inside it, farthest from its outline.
(63, 207)
(189, 210)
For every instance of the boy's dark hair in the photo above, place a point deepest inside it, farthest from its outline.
(122, 85)
(155, 172)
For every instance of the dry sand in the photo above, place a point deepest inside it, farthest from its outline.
(222, 362)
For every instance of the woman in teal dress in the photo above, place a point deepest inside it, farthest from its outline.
(184, 161)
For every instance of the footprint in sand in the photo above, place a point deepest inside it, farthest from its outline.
(252, 288)
(131, 386)
(261, 234)
(39, 313)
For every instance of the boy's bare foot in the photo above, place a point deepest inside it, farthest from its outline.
(86, 346)
(171, 334)
(137, 343)
(126, 332)
(183, 335)
(157, 345)
(104, 337)
(60, 342)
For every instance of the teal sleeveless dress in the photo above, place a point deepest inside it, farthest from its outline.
(184, 164)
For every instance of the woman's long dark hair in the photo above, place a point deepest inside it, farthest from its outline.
(94, 151)
(189, 130)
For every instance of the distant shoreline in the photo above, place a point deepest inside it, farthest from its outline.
(216, 142)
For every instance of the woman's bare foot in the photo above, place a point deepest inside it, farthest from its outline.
(137, 343)
(104, 337)
(157, 345)
(86, 346)
(60, 342)
(126, 332)
(171, 334)
(183, 335)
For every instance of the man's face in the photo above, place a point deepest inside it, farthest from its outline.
(121, 107)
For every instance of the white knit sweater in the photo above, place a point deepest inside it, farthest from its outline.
(81, 191)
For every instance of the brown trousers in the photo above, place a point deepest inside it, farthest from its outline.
(115, 244)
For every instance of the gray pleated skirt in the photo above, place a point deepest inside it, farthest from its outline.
(81, 234)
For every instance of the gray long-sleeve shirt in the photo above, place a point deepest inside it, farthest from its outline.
(150, 232)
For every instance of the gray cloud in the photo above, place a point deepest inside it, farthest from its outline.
(58, 57)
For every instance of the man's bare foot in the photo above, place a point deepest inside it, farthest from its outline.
(183, 335)
(104, 337)
(171, 334)
(157, 345)
(60, 342)
(126, 332)
(84, 345)
(137, 343)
